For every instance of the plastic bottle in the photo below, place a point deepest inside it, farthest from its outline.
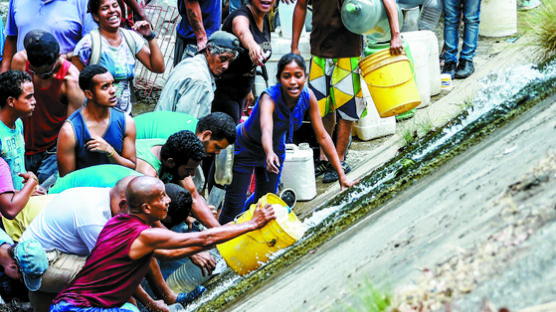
(368, 17)
(188, 275)
(224, 163)
(430, 14)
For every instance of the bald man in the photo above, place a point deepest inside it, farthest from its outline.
(125, 246)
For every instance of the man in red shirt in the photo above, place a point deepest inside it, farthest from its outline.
(58, 95)
(126, 244)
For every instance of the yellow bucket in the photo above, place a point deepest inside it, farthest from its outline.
(391, 83)
(249, 251)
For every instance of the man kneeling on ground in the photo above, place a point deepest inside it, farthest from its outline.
(125, 246)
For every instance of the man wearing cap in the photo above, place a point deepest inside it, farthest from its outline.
(55, 81)
(68, 21)
(190, 86)
(97, 133)
(26, 259)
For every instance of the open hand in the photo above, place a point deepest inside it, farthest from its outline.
(347, 183)
(204, 261)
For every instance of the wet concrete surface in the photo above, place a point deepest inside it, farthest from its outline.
(466, 207)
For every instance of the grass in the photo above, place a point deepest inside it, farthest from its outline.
(541, 23)
(367, 298)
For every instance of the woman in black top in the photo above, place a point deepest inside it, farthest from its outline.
(250, 24)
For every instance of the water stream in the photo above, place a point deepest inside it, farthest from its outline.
(503, 97)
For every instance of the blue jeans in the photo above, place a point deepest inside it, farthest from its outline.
(236, 192)
(42, 164)
(452, 11)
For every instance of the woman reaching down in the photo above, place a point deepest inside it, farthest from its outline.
(260, 143)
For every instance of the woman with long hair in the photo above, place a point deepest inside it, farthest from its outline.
(261, 139)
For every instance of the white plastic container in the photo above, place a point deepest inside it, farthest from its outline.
(285, 13)
(299, 171)
(372, 126)
(420, 52)
(428, 39)
(498, 18)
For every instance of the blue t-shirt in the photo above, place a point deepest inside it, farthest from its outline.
(211, 13)
(12, 149)
(67, 20)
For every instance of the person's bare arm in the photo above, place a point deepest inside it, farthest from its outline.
(151, 57)
(199, 208)
(19, 61)
(145, 168)
(138, 10)
(326, 143)
(267, 106)
(71, 90)
(128, 157)
(10, 48)
(77, 62)
(240, 28)
(299, 14)
(195, 18)
(149, 303)
(154, 238)
(391, 7)
(65, 150)
(11, 203)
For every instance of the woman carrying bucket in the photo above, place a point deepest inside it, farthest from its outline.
(260, 144)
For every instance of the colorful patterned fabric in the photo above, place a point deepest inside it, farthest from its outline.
(336, 84)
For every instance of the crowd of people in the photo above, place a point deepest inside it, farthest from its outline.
(94, 200)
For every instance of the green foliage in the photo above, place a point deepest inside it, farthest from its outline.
(541, 22)
(368, 299)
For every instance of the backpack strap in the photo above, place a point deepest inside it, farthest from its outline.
(129, 40)
(95, 46)
(96, 43)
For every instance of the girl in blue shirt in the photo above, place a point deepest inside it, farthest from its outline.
(260, 144)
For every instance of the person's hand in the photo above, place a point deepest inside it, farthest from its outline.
(189, 185)
(29, 176)
(249, 100)
(272, 163)
(204, 261)
(257, 55)
(396, 46)
(98, 144)
(263, 215)
(201, 42)
(345, 182)
(38, 191)
(144, 28)
(158, 306)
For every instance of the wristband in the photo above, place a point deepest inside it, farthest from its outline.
(150, 37)
(112, 153)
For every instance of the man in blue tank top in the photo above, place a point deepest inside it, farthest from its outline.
(97, 133)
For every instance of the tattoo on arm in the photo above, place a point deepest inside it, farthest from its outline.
(194, 20)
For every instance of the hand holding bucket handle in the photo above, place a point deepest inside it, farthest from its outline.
(262, 215)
